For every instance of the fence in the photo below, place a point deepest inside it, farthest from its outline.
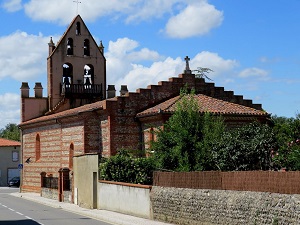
(259, 181)
(50, 182)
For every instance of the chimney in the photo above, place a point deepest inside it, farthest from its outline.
(111, 91)
(38, 90)
(24, 90)
(123, 90)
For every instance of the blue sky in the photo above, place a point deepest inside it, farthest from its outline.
(253, 47)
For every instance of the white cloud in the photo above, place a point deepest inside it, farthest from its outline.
(196, 19)
(254, 72)
(125, 65)
(213, 61)
(23, 56)
(12, 5)
(9, 109)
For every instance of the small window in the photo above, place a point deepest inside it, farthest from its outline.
(78, 32)
(37, 147)
(15, 156)
(86, 47)
(71, 154)
(70, 46)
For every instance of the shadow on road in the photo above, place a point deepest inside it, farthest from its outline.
(19, 222)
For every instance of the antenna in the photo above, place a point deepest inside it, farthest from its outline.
(77, 5)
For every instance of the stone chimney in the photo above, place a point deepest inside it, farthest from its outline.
(123, 90)
(38, 90)
(25, 90)
(111, 91)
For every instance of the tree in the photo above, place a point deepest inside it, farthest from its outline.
(245, 148)
(183, 143)
(287, 131)
(202, 72)
(11, 132)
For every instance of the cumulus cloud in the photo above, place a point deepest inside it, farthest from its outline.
(125, 64)
(196, 19)
(254, 72)
(9, 109)
(23, 55)
(188, 17)
(12, 5)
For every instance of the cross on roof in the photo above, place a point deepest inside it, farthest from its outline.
(187, 66)
(77, 5)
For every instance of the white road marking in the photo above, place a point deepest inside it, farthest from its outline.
(27, 217)
(21, 214)
(11, 209)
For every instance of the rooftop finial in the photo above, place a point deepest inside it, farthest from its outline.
(187, 66)
(77, 5)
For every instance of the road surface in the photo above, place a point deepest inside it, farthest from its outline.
(18, 211)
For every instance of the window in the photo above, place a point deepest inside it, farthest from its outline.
(67, 75)
(88, 77)
(71, 154)
(78, 32)
(37, 147)
(70, 46)
(15, 156)
(86, 47)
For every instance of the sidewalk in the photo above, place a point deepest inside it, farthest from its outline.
(103, 215)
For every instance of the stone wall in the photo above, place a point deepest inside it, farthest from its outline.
(210, 207)
(49, 193)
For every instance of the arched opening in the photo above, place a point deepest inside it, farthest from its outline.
(37, 147)
(88, 77)
(71, 154)
(67, 75)
(86, 47)
(78, 32)
(70, 46)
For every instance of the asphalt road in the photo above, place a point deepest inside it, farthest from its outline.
(18, 211)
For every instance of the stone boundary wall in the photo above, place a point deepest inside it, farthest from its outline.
(49, 193)
(223, 207)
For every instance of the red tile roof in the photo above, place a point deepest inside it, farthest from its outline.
(206, 104)
(69, 112)
(6, 142)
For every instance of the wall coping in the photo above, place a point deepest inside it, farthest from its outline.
(126, 184)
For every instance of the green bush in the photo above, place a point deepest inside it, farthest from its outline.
(125, 168)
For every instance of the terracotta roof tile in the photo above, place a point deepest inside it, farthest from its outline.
(206, 104)
(70, 112)
(6, 142)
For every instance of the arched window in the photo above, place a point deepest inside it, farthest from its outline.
(86, 47)
(70, 46)
(78, 32)
(67, 74)
(88, 77)
(37, 147)
(71, 154)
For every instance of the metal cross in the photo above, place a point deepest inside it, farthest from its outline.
(77, 4)
(187, 66)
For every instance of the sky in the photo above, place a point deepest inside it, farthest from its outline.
(253, 47)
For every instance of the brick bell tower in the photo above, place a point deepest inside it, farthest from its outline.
(76, 69)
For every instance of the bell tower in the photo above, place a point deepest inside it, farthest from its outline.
(76, 69)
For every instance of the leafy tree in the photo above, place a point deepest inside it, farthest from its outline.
(183, 143)
(287, 131)
(11, 132)
(202, 72)
(246, 148)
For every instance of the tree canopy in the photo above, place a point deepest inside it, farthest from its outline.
(11, 132)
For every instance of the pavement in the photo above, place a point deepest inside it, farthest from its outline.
(102, 215)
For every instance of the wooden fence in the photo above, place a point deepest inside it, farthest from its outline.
(259, 181)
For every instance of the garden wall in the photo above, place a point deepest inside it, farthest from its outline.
(223, 207)
(132, 199)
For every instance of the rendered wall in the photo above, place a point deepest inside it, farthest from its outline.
(128, 199)
(208, 207)
(7, 163)
(84, 190)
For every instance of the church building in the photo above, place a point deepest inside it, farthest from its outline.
(81, 114)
